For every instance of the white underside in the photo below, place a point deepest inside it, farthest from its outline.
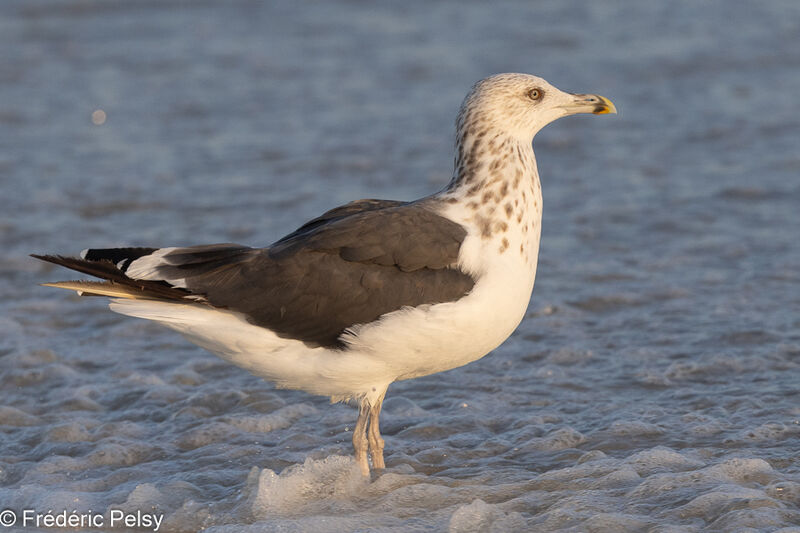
(286, 362)
(408, 343)
(404, 344)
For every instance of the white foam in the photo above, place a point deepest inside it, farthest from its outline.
(770, 431)
(310, 487)
(118, 454)
(144, 497)
(69, 432)
(282, 418)
(616, 522)
(559, 439)
(787, 491)
(735, 470)
(713, 504)
(624, 476)
(659, 459)
(11, 416)
(634, 428)
(480, 516)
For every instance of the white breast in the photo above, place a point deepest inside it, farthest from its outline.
(419, 341)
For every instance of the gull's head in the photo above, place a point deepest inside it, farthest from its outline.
(520, 105)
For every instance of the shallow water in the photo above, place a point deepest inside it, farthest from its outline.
(653, 385)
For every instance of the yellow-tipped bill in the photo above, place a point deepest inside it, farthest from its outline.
(605, 106)
(589, 103)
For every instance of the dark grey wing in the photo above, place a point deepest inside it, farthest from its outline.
(349, 270)
(349, 266)
(337, 213)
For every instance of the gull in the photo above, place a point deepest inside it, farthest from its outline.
(374, 291)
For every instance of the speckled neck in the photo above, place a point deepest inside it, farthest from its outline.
(490, 166)
(495, 190)
(484, 159)
(485, 154)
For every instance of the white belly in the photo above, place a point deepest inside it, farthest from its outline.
(416, 342)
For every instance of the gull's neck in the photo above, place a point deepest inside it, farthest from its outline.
(495, 193)
(493, 169)
(486, 158)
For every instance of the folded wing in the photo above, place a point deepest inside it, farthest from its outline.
(347, 267)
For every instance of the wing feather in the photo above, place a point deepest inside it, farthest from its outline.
(349, 270)
(349, 266)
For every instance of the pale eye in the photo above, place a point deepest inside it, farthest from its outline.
(535, 94)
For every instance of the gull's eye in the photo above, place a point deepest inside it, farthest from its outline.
(535, 94)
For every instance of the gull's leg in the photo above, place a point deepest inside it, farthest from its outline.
(360, 437)
(374, 435)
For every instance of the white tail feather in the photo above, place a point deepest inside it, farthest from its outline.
(147, 266)
(286, 362)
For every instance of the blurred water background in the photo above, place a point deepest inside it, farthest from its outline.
(653, 385)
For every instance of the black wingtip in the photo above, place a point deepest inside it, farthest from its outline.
(105, 269)
(57, 259)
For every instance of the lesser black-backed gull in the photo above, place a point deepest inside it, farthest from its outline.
(374, 291)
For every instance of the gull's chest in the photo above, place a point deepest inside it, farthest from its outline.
(501, 251)
(501, 211)
(503, 224)
(504, 259)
